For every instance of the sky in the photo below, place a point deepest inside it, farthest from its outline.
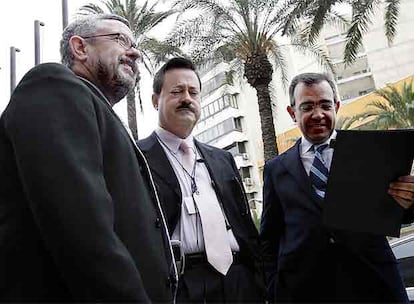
(17, 29)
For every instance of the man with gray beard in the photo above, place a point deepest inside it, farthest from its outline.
(80, 218)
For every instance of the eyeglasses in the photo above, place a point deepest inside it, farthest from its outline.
(308, 107)
(121, 39)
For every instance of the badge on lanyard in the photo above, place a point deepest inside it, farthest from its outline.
(189, 205)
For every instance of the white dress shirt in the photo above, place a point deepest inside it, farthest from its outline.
(307, 154)
(188, 229)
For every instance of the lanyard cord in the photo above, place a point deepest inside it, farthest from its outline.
(193, 188)
(192, 175)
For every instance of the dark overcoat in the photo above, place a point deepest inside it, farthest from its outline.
(79, 215)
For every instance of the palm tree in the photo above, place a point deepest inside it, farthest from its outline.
(243, 32)
(142, 19)
(344, 122)
(394, 111)
(317, 12)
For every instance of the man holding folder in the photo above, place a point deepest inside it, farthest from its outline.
(305, 260)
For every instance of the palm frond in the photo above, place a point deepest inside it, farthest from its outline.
(393, 110)
(280, 63)
(314, 50)
(391, 18)
(345, 123)
(188, 31)
(293, 11)
(362, 11)
(337, 20)
(90, 8)
(319, 16)
(158, 51)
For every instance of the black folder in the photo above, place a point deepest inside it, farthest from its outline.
(364, 163)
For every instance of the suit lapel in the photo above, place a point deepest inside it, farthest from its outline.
(160, 164)
(294, 166)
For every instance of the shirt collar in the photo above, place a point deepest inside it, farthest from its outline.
(306, 145)
(172, 141)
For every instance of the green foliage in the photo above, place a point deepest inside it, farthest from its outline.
(394, 111)
(345, 123)
(142, 19)
(244, 33)
(235, 30)
(319, 12)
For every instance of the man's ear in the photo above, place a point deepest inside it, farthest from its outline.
(291, 112)
(78, 48)
(155, 101)
(337, 104)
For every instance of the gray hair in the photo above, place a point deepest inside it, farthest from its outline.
(83, 26)
(309, 79)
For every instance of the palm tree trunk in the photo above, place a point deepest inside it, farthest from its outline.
(132, 114)
(258, 71)
(266, 119)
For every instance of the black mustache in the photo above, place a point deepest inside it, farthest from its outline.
(186, 106)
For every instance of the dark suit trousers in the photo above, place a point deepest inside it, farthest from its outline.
(202, 283)
(338, 277)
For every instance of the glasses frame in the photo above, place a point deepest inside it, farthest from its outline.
(325, 106)
(118, 36)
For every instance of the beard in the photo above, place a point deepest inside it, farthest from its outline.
(116, 84)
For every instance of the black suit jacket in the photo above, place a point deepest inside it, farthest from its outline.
(227, 184)
(306, 261)
(79, 217)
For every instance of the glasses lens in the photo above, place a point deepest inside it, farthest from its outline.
(123, 41)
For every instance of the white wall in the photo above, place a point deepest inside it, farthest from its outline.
(391, 63)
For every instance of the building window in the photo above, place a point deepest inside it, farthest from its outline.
(233, 101)
(237, 124)
(236, 148)
(242, 147)
(213, 84)
(218, 105)
(244, 172)
(252, 200)
(221, 103)
(230, 124)
(232, 149)
(363, 92)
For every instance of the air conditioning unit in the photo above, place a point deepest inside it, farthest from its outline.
(245, 156)
(248, 181)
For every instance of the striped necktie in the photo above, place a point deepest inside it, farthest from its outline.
(319, 172)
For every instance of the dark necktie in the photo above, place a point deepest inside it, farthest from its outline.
(319, 172)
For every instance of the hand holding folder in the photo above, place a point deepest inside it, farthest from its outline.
(364, 165)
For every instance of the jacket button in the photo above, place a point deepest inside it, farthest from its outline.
(332, 240)
(168, 282)
(157, 222)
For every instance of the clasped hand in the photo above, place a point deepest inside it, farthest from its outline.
(402, 191)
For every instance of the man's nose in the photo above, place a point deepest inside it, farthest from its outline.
(186, 97)
(317, 112)
(133, 53)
